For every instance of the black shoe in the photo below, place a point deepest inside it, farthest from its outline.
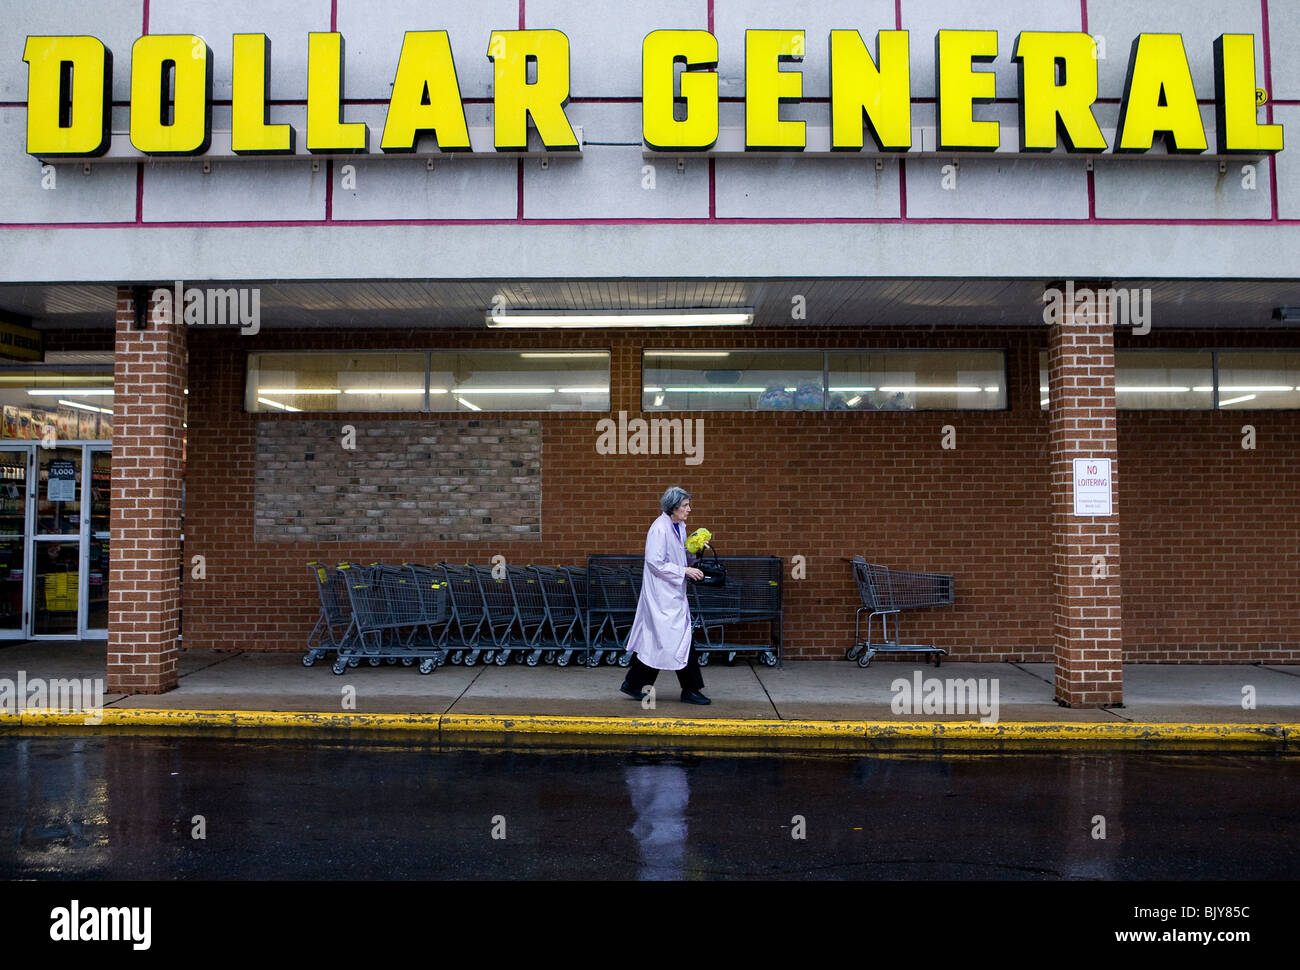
(626, 688)
(694, 697)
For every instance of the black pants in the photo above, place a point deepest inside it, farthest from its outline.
(689, 677)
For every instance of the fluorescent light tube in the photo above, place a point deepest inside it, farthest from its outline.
(558, 319)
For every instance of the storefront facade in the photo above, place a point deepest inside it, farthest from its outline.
(335, 351)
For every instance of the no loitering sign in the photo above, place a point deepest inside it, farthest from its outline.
(1092, 486)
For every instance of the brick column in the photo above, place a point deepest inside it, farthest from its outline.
(1088, 629)
(144, 595)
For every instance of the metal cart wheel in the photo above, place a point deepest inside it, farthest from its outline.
(470, 659)
(702, 659)
(548, 657)
(626, 659)
(309, 658)
(532, 660)
(502, 658)
(390, 660)
(407, 661)
(611, 658)
(354, 661)
(519, 656)
(426, 665)
(373, 661)
(731, 659)
(488, 656)
(563, 661)
(769, 658)
(853, 651)
(457, 656)
(865, 659)
(340, 666)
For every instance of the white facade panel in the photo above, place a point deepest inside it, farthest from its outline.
(731, 18)
(1199, 21)
(237, 189)
(924, 18)
(373, 32)
(285, 25)
(116, 22)
(612, 181)
(28, 193)
(605, 38)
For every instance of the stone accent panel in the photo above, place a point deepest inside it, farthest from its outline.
(435, 481)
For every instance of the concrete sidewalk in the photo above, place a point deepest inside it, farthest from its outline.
(747, 699)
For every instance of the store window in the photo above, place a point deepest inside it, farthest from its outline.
(1164, 380)
(920, 380)
(1259, 379)
(74, 403)
(783, 380)
(732, 380)
(530, 380)
(1154, 380)
(423, 381)
(336, 382)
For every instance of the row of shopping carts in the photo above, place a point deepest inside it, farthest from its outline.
(750, 599)
(433, 615)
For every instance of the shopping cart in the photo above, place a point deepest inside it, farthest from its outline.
(565, 607)
(389, 612)
(501, 614)
(335, 613)
(887, 592)
(613, 591)
(469, 620)
(531, 618)
(751, 595)
(435, 612)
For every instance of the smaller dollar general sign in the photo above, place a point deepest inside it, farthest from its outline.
(70, 83)
(20, 343)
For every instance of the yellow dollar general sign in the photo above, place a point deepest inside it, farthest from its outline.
(70, 83)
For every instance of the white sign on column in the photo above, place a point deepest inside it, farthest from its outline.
(1092, 486)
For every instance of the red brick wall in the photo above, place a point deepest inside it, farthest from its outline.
(825, 486)
(144, 594)
(1088, 630)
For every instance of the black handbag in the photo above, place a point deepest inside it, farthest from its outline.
(715, 573)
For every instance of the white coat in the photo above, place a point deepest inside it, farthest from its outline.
(661, 632)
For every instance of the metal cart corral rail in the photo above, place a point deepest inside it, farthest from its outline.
(887, 592)
(752, 594)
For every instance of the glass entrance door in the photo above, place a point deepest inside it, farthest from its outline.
(56, 568)
(54, 539)
(15, 467)
(95, 565)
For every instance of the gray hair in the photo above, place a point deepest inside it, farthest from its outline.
(672, 498)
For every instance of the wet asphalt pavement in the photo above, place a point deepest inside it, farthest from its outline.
(92, 808)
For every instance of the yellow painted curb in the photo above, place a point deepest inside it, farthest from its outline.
(1084, 732)
(143, 717)
(930, 730)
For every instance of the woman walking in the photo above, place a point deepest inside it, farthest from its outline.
(661, 633)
